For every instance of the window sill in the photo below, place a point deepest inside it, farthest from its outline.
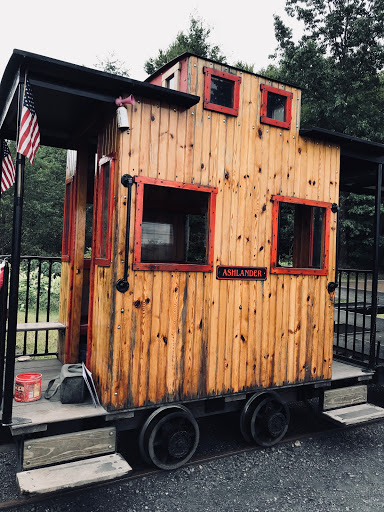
(173, 267)
(300, 271)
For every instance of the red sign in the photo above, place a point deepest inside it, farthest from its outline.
(248, 273)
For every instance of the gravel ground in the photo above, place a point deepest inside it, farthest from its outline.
(341, 470)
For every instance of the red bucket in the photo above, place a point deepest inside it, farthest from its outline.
(28, 387)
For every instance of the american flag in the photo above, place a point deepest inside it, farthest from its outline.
(7, 168)
(29, 135)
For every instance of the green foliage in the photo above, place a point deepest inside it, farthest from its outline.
(196, 41)
(43, 205)
(32, 286)
(243, 65)
(337, 63)
(112, 64)
(356, 236)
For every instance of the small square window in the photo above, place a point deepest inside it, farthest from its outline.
(276, 107)
(221, 91)
(300, 236)
(174, 226)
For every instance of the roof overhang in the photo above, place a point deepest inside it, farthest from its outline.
(71, 101)
(359, 159)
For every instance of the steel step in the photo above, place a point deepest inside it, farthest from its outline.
(355, 414)
(73, 474)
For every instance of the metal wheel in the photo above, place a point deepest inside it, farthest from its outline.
(169, 437)
(265, 419)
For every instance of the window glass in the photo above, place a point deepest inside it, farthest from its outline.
(300, 236)
(221, 92)
(105, 207)
(174, 227)
(276, 106)
(170, 82)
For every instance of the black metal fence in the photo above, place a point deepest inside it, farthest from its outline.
(39, 294)
(353, 310)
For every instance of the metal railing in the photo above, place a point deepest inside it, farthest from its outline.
(353, 310)
(39, 293)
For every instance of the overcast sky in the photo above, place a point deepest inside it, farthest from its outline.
(80, 31)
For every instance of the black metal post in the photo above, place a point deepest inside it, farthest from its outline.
(15, 271)
(375, 277)
(1, 163)
(3, 320)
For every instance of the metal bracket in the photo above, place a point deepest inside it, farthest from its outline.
(122, 285)
(335, 208)
(332, 286)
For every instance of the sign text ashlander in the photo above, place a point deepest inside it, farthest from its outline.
(254, 273)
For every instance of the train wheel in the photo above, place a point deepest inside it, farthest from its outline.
(169, 437)
(264, 419)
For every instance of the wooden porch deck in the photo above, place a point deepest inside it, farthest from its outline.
(35, 416)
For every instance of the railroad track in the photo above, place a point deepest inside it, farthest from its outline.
(144, 472)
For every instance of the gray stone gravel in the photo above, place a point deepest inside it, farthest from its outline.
(336, 471)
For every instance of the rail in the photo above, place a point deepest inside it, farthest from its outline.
(353, 316)
(39, 293)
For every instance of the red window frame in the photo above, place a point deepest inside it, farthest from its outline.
(323, 270)
(286, 124)
(67, 242)
(209, 72)
(101, 259)
(188, 267)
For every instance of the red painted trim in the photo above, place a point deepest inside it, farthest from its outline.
(65, 251)
(71, 260)
(286, 124)
(92, 276)
(297, 200)
(323, 271)
(100, 259)
(173, 267)
(175, 184)
(209, 72)
(182, 267)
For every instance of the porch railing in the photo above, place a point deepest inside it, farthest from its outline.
(39, 293)
(353, 310)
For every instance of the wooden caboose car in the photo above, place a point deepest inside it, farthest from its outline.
(211, 281)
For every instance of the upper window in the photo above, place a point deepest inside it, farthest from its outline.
(174, 227)
(221, 91)
(68, 206)
(300, 236)
(104, 210)
(171, 78)
(276, 107)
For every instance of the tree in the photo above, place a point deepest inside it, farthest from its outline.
(43, 205)
(112, 64)
(244, 66)
(196, 41)
(337, 63)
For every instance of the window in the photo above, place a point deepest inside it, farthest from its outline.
(276, 107)
(221, 91)
(104, 210)
(171, 77)
(174, 228)
(67, 231)
(300, 236)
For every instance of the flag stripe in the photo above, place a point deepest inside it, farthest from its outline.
(7, 168)
(29, 135)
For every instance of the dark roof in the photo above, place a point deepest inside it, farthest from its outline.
(70, 100)
(353, 146)
(188, 54)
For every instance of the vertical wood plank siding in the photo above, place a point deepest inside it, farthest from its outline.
(181, 335)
